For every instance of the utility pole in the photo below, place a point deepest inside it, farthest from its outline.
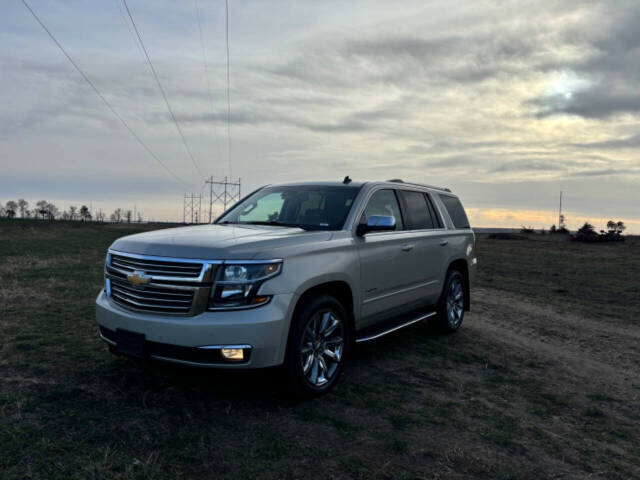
(560, 212)
(191, 207)
(225, 192)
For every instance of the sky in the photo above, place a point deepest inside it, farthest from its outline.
(505, 102)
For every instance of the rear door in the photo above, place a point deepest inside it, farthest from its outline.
(459, 236)
(426, 233)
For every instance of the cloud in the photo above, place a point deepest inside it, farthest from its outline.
(529, 166)
(612, 65)
(517, 97)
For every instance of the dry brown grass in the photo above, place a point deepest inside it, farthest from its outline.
(540, 382)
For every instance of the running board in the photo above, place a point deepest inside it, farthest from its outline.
(380, 330)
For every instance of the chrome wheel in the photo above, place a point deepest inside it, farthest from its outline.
(455, 303)
(322, 347)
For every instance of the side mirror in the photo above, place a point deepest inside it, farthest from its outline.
(377, 223)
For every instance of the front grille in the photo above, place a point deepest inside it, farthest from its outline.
(159, 268)
(151, 298)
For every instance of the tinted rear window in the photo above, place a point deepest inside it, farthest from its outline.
(456, 212)
(417, 211)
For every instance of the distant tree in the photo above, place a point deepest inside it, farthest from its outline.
(552, 228)
(84, 213)
(42, 208)
(611, 226)
(139, 220)
(528, 229)
(116, 216)
(65, 215)
(128, 216)
(3, 212)
(72, 212)
(11, 208)
(620, 227)
(586, 229)
(100, 216)
(22, 206)
(52, 211)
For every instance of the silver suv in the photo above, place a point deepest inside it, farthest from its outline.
(293, 275)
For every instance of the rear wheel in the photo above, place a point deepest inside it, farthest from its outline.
(317, 348)
(451, 306)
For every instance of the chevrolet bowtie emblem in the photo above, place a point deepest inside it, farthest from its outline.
(138, 278)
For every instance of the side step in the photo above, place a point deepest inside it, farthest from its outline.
(383, 328)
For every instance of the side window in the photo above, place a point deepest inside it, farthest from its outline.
(455, 210)
(417, 210)
(384, 202)
(437, 221)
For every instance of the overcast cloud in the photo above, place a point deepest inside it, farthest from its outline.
(506, 102)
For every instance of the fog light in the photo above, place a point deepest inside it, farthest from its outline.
(233, 354)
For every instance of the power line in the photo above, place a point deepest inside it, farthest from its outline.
(164, 95)
(208, 79)
(95, 89)
(123, 14)
(226, 3)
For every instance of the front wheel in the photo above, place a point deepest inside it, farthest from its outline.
(317, 348)
(451, 305)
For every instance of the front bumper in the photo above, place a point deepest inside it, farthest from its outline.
(264, 329)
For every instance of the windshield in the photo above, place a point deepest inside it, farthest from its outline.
(311, 207)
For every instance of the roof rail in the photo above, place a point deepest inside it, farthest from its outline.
(397, 180)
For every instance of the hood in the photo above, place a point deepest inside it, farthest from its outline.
(217, 242)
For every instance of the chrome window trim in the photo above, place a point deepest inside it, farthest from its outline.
(399, 186)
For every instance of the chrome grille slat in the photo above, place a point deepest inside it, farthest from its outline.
(186, 295)
(164, 268)
(152, 271)
(148, 306)
(177, 263)
(169, 301)
(152, 265)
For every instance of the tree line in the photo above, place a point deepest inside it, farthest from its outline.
(48, 211)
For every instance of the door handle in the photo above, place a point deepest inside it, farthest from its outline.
(444, 242)
(407, 248)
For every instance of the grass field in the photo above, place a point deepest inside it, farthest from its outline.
(542, 380)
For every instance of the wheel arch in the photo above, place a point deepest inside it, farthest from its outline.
(462, 266)
(339, 289)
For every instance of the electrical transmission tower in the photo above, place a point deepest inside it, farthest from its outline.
(191, 208)
(225, 193)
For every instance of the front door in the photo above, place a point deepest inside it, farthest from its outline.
(386, 260)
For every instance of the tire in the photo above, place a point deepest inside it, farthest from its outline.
(452, 303)
(318, 346)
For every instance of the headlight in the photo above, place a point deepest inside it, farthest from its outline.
(237, 284)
